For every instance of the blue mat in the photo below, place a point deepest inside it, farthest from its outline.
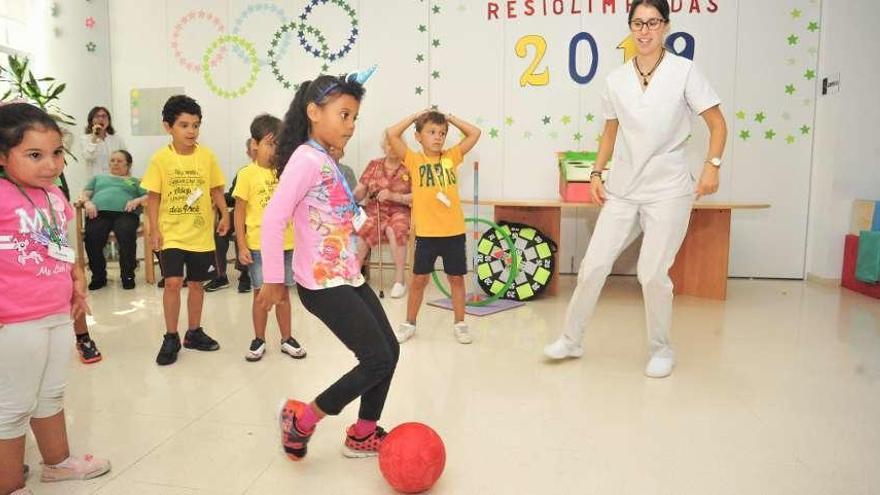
(489, 309)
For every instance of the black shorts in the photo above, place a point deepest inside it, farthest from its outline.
(200, 266)
(451, 249)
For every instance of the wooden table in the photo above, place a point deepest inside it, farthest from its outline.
(700, 268)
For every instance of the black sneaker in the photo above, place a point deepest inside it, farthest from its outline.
(197, 339)
(244, 283)
(217, 284)
(88, 352)
(97, 283)
(170, 348)
(128, 283)
(256, 351)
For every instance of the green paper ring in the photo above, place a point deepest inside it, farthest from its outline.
(273, 55)
(514, 267)
(252, 58)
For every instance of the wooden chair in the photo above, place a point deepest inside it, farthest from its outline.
(143, 232)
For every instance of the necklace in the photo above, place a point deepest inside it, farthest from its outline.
(646, 75)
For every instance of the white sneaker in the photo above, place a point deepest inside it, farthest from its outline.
(405, 331)
(562, 348)
(659, 367)
(292, 348)
(462, 334)
(398, 290)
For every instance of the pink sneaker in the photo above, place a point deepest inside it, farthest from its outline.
(76, 468)
(295, 442)
(367, 446)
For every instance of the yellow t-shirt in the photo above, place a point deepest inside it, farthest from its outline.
(430, 216)
(186, 217)
(256, 184)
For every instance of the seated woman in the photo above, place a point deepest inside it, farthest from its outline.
(386, 193)
(113, 203)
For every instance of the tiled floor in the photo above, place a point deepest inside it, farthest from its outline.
(777, 391)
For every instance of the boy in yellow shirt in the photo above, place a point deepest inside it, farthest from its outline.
(184, 184)
(253, 188)
(436, 210)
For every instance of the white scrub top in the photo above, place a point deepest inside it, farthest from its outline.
(649, 162)
(97, 155)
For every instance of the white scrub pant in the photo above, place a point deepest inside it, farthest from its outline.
(34, 358)
(664, 224)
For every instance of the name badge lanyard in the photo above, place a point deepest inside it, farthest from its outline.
(53, 228)
(353, 206)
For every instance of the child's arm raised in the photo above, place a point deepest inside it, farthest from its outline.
(395, 133)
(220, 203)
(471, 133)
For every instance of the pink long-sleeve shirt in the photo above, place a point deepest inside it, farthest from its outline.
(310, 192)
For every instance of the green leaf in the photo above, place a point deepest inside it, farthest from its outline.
(58, 91)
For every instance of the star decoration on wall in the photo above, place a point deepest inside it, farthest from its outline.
(435, 74)
(745, 134)
(793, 40)
(760, 117)
(578, 136)
(420, 57)
(795, 13)
(566, 119)
(91, 46)
(805, 129)
(810, 74)
(789, 139)
(741, 115)
(545, 120)
(493, 133)
(435, 9)
(90, 22)
(508, 121)
(770, 134)
(790, 89)
(813, 27)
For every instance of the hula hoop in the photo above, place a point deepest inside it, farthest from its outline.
(514, 267)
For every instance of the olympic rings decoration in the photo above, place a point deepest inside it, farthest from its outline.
(252, 58)
(276, 39)
(175, 39)
(251, 9)
(346, 47)
(511, 276)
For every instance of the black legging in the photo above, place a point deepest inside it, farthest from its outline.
(124, 226)
(356, 317)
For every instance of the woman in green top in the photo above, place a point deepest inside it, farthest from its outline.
(113, 203)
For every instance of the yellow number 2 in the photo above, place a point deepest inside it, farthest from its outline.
(530, 77)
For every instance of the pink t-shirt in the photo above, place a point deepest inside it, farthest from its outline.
(311, 194)
(33, 284)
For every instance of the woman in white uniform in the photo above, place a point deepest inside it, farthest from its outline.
(648, 102)
(99, 142)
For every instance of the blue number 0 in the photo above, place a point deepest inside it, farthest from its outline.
(572, 58)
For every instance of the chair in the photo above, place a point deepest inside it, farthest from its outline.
(143, 232)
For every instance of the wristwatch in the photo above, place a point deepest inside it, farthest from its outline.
(714, 161)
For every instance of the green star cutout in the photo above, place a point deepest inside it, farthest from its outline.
(810, 74)
(805, 129)
(493, 133)
(590, 117)
(578, 136)
(741, 115)
(770, 134)
(422, 28)
(435, 74)
(545, 120)
(436, 9)
(508, 121)
(566, 119)
(760, 117)
(795, 13)
(789, 139)
(792, 40)
(324, 68)
(813, 27)
(420, 57)
(790, 89)
(527, 135)
(436, 42)
(745, 134)
(419, 90)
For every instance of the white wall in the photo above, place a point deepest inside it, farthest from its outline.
(846, 153)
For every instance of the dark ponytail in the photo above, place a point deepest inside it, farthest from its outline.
(296, 126)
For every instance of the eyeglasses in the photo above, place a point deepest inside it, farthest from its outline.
(653, 24)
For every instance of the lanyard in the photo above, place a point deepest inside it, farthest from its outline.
(341, 178)
(54, 231)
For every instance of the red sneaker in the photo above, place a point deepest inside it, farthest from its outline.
(295, 442)
(367, 446)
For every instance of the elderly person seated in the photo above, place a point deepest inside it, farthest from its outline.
(113, 202)
(384, 189)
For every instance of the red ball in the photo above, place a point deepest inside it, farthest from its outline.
(412, 457)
